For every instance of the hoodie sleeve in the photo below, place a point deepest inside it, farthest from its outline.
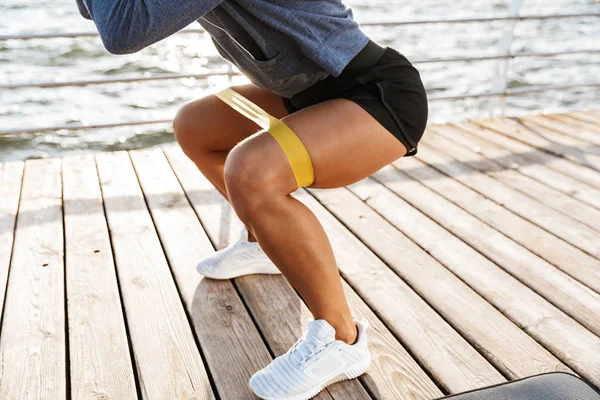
(127, 26)
(82, 10)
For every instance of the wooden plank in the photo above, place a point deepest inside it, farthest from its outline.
(167, 360)
(32, 344)
(564, 256)
(11, 177)
(570, 121)
(450, 360)
(565, 338)
(545, 140)
(281, 314)
(503, 343)
(584, 116)
(574, 232)
(575, 180)
(450, 143)
(97, 334)
(557, 125)
(230, 341)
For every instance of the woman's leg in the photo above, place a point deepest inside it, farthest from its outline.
(207, 130)
(346, 144)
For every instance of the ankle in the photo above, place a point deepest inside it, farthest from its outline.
(347, 333)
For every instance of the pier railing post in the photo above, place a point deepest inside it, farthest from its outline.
(500, 79)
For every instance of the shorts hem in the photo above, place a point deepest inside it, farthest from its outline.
(391, 127)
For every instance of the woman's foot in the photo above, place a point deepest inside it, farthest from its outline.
(240, 258)
(314, 362)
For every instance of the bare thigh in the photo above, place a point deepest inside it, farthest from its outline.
(210, 125)
(345, 143)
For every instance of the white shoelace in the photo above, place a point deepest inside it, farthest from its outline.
(303, 350)
(308, 346)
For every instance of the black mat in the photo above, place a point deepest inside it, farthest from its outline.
(553, 386)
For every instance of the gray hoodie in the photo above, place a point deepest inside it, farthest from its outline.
(282, 45)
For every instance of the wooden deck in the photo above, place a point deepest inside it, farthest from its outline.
(476, 262)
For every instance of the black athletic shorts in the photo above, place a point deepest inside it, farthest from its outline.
(385, 84)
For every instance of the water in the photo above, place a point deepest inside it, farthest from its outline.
(85, 58)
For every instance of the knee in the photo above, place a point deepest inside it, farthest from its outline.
(188, 131)
(251, 184)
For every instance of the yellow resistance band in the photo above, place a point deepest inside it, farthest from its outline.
(293, 148)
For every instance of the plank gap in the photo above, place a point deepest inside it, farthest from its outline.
(12, 247)
(251, 314)
(65, 303)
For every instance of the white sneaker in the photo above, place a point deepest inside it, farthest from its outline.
(314, 362)
(237, 259)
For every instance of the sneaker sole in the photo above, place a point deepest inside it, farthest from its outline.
(242, 272)
(351, 372)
